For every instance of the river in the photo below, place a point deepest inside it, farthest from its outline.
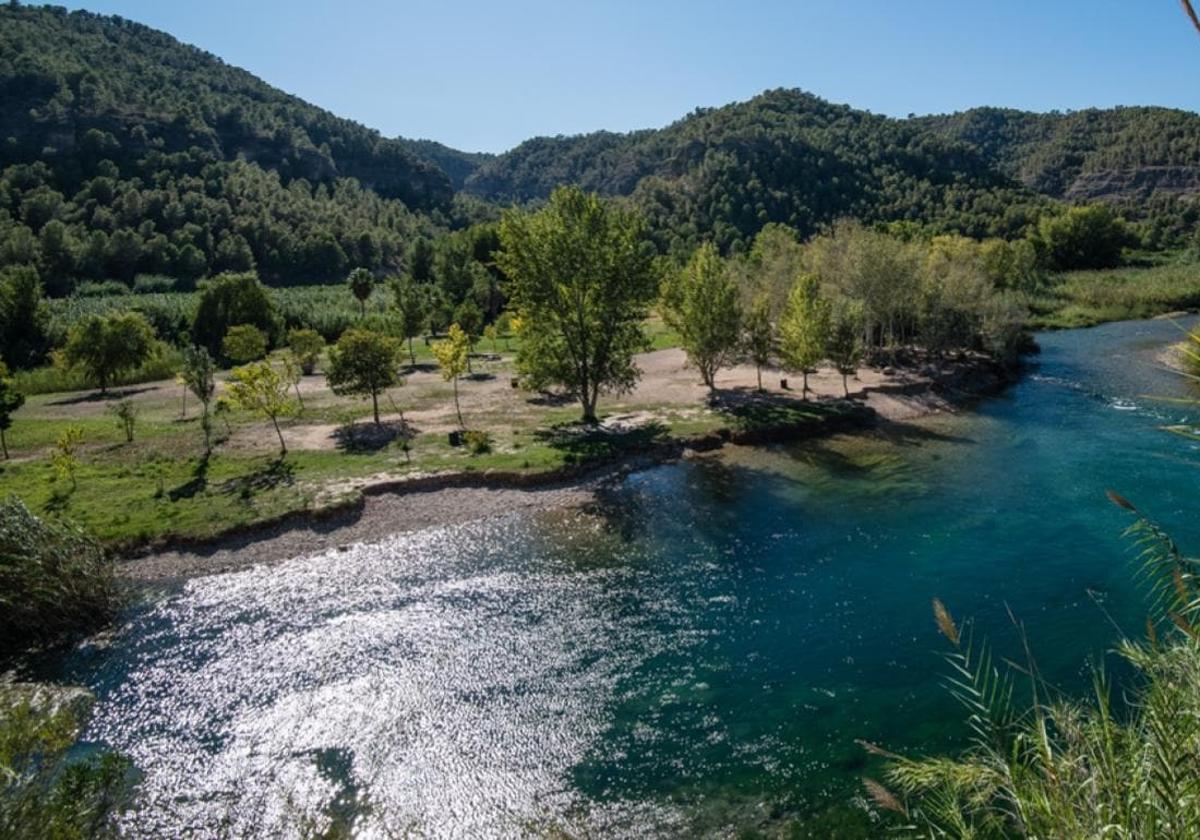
(695, 654)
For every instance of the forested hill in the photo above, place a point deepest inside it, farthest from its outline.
(1117, 153)
(784, 156)
(67, 77)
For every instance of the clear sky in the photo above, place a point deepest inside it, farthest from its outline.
(486, 75)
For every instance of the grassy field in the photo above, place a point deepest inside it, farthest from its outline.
(1086, 298)
(159, 485)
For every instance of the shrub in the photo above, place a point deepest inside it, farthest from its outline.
(306, 345)
(106, 346)
(244, 343)
(55, 583)
(477, 442)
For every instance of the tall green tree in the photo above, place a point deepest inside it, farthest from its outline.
(411, 302)
(758, 334)
(106, 346)
(10, 400)
(701, 304)
(363, 363)
(199, 376)
(306, 345)
(24, 317)
(845, 348)
(362, 284)
(804, 328)
(230, 299)
(581, 279)
(244, 343)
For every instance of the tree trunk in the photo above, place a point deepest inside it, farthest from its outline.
(375, 406)
(206, 426)
(845, 385)
(3, 444)
(412, 356)
(282, 445)
(457, 409)
(758, 369)
(804, 388)
(299, 398)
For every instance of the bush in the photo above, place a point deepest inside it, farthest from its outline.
(145, 284)
(228, 300)
(477, 442)
(55, 583)
(244, 343)
(97, 288)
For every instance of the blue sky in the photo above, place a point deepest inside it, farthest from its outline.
(486, 75)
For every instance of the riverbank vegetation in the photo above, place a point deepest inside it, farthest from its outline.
(1120, 765)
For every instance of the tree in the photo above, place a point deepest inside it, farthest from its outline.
(845, 341)
(804, 329)
(758, 334)
(452, 354)
(701, 304)
(230, 299)
(126, 412)
(362, 284)
(1083, 237)
(581, 279)
(244, 343)
(412, 305)
(106, 346)
(491, 332)
(260, 388)
(306, 345)
(10, 400)
(199, 375)
(469, 317)
(363, 363)
(293, 373)
(65, 456)
(24, 317)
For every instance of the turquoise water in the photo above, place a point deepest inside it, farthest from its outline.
(694, 654)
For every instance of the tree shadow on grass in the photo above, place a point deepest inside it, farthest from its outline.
(363, 438)
(550, 399)
(748, 408)
(96, 396)
(479, 376)
(198, 483)
(582, 444)
(421, 367)
(278, 473)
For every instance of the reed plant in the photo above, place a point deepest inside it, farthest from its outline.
(1049, 766)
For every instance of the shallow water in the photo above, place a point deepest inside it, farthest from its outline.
(695, 654)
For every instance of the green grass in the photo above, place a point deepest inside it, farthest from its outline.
(1086, 298)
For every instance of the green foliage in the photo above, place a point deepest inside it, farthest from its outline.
(45, 792)
(55, 583)
(1084, 298)
(412, 305)
(126, 414)
(244, 343)
(306, 345)
(701, 304)
(361, 284)
(11, 399)
(157, 178)
(23, 317)
(65, 456)
(469, 317)
(453, 356)
(363, 363)
(1062, 768)
(261, 388)
(1082, 237)
(581, 280)
(229, 300)
(106, 346)
(845, 348)
(804, 328)
(784, 156)
(477, 442)
(199, 375)
(758, 334)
